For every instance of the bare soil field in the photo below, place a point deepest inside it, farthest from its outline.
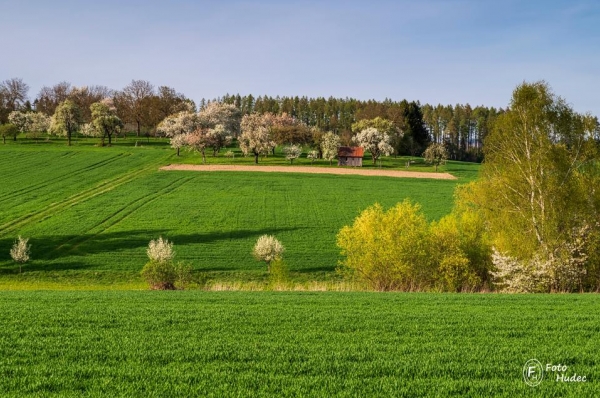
(313, 170)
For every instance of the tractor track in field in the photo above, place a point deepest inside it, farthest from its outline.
(313, 170)
(50, 210)
(121, 214)
(31, 188)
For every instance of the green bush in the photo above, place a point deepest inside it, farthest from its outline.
(165, 275)
(278, 272)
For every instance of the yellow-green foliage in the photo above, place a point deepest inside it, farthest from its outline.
(387, 249)
(398, 250)
(460, 250)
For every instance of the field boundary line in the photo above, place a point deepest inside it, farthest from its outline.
(311, 170)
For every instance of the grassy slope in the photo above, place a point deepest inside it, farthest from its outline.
(91, 211)
(290, 344)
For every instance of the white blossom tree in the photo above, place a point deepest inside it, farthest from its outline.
(30, 122)
(160, 250)
(292, 152)
(179, 141)
(199, 140)
(226, 115)
(330, 143)
(183, 122)
(20, 251)
(256, 137)
(268, 249)
(219, 137)
(436, 154)
(312, 155)
(374, 141)
(105, 120)
(66, 119)
(20, 120)
(38, 123)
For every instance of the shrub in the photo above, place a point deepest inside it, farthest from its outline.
(461, 252)
(278, 273)
(166, 275)
(387, 250)
(20, 251)
(160, 272)
(160, 275)
(398, 250)
(268, 249)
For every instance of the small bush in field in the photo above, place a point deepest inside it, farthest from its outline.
(160, 275)
(268, 249)
(278, 272)
(20, 251)
(161, 272)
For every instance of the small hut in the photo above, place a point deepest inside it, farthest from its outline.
(350, 156)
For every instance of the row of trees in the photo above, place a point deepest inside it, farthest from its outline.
(461, 127)
(217, 124)
(139, 104)
(141, 107)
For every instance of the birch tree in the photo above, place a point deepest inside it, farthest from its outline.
(540, 185)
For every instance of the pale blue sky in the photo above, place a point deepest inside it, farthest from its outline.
(445, 51)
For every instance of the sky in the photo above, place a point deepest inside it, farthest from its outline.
(433, 51)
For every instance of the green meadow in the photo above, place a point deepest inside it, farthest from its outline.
(90, 212)
(215, 344)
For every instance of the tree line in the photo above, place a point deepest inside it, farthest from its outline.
(142, 106)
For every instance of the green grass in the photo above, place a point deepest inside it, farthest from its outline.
(293, 344)
(92, 211)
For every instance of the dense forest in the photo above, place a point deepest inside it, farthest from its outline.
(461, 128)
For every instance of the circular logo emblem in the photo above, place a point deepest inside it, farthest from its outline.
(533, 372)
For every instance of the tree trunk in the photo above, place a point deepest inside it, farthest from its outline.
(109, 139)
(177, 151)
(255, 157)
(68, 138)
(4, 139)
(203, 157)
(138, 127)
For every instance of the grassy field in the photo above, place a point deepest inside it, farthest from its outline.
(89, 212)
(293, 344)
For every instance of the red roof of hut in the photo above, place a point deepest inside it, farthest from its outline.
(351, 151)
